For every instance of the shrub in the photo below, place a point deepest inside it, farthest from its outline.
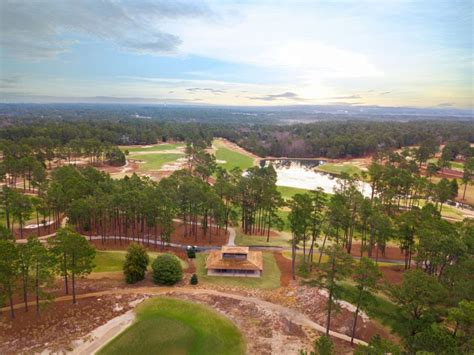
(194, 280)
(166, 270)
(324, 346)
(191, 253)
(136, 262)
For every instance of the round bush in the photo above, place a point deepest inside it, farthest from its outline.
(194, 280)
(191, 254)
(167, 270)
(136, 262)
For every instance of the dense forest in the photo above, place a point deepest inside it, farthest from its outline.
(58, 125)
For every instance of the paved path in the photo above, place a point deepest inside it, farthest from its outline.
(291, 314)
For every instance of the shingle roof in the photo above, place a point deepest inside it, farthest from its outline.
(254, 260)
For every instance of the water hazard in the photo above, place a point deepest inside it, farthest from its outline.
(301, 173)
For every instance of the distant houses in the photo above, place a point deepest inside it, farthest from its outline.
(235, 261)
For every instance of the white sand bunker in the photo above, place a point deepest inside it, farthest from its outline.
(34, 226)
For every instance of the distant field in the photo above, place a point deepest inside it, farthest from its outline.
(337, 169)
(269, 279)
(170, 326)
(111, 261)
(233, 159)
(155, 161)
(153, 148)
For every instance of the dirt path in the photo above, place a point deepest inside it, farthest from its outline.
(291, 314)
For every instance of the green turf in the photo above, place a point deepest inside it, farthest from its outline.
(288, 192)
(270, 277)
(282, 240)
(155, 161)
(337, 169)
(382, 309)
(232, 158)
(110, 261)
(283, 214)
(154, 148)
(170, 326)
(455, 165)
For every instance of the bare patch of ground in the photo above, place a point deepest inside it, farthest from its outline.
(59, 323)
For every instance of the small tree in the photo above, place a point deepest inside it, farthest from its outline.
(324, 346)
(194, 280)
(8, 270)
(75, 256)
(167, 270)
(136, 262)
(191, 253)
(43, 263)
(366, 275)
(337, 268)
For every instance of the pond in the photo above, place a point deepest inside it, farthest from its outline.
(300, 173)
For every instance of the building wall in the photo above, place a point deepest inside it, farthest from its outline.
(233, 273)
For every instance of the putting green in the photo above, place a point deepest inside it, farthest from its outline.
(170, 326)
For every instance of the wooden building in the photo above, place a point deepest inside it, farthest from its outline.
(235, 261)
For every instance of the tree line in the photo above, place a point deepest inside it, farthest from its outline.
(31, 267)
(403, 207)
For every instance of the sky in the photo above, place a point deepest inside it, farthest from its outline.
(366, 52)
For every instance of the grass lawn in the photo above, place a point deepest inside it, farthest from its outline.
(337, 169)
(270, 276)
(233, 159)
(282, 240)
(455, 165)
(153, 148)
(383, 310)
(283, 214)
(170, 326)
(288, 192)
(155, 161)
(110, 261)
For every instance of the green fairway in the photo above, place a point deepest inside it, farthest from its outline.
(155, 161)
(110, 261)
(283, 214)
(337, 169)
(153, 148)
(170, 326)
(452, 164)
(288, 192)
(270, 277)
(233, 159)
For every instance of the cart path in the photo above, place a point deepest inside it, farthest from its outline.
(293, 315)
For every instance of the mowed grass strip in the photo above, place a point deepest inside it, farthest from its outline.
(338, 169)
(155, 161)
(153, 148)
(112, 260)
(232, 158)
(270, 277)
(170, 326)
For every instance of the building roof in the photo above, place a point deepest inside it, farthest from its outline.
(254, 260)
(234, 250)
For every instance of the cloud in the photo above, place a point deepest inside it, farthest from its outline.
(211, 90)
(446, 104)
(272, 97)
(10, 82)
(385, 93)
(45, 29)
(347, 97)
